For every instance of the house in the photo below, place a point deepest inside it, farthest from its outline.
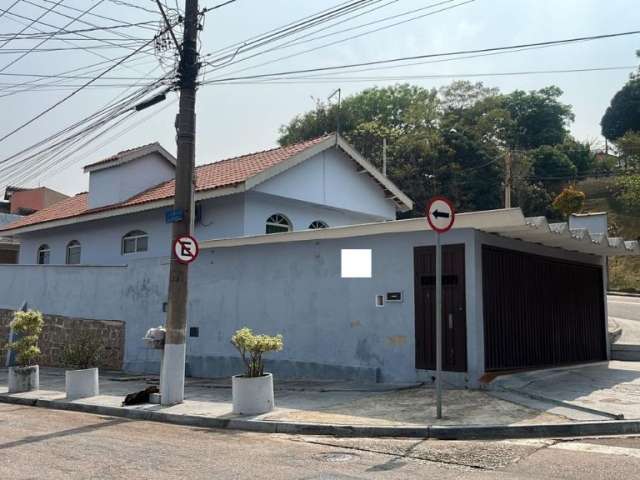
(518, 292)
(17, 203)
(315, 184)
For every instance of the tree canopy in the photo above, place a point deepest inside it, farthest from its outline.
(623, 115)
(453, 141)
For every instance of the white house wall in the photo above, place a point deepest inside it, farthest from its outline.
(117, 184)
(331, 178)
(260, 206)
(100, 240)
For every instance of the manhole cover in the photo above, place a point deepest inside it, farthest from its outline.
(337, 457)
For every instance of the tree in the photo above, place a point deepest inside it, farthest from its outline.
(628, 147)
(579, 154)
(551, 166)
(569, 201)
(538, 117)
(452, 142)
(623, 114)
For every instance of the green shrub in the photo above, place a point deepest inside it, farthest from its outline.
(83, 350)
(627, 194)
(252, 347)
(28, 327)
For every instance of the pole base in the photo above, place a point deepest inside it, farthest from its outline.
(172, 374)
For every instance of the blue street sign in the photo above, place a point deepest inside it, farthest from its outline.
(173, 216)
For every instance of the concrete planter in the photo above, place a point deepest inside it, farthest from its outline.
(252, 395)
(81, 383)
(24, 379)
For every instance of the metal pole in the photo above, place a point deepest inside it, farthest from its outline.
(508, 181)
(173, 365)
(438, 327)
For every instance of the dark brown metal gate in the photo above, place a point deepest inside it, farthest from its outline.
(454, 329)
(540, 311)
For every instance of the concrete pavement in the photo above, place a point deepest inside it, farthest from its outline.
(323, 403)
(39, 443)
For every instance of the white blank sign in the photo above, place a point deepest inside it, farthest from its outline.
(355, 263)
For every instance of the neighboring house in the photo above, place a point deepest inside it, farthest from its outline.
(319, 183)
(24, 201)
(9, 247)
(17, 203)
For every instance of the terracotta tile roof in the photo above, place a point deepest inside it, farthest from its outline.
(120, 154)
(219, 174)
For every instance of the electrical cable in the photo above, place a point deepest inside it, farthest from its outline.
(431, 55)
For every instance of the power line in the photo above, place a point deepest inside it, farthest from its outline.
(6, 42)
(322, 79)
(353, 37)
(27, 52)
(47, 110)
(208, 9)
(431, 55)
(32, 36)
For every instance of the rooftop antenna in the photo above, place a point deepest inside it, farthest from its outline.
(339, 92)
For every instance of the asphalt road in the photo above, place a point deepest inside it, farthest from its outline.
(38, 443)
(625, 312)
(624, 307)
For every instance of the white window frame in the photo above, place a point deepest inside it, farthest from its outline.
(73, 244)
(134, 235)
(42, 249)
(278, 221)
(318, 224)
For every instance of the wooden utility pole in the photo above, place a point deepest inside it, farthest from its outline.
(508, 179)
(173, 364)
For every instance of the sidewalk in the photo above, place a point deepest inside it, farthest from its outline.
(343, 403)
(334, 408)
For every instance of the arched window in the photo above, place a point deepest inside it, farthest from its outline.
(318, 224)
(134, 242)
(44, 254)
(73, 252)
(278, 223)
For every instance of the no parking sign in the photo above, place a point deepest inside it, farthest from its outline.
(185, 249)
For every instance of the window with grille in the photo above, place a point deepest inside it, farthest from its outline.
(44, 255)
(278, 223)
(73, 252)
(134, 242)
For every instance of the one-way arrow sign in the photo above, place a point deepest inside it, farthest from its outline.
(440, 214)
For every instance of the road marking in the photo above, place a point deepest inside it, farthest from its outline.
(601, 449)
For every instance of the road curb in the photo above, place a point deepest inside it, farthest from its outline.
(440, 432)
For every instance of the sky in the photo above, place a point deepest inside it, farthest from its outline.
(246, 117)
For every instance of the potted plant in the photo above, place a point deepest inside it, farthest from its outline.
(25, 375)
(82, 353)
(252, 392)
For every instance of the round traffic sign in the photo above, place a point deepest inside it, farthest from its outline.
(440, 214)
(185, 249)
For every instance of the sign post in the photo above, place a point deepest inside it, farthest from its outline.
(440, 216)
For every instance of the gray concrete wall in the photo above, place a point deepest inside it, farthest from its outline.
(331, 326)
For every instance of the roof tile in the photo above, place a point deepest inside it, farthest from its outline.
(219, 174)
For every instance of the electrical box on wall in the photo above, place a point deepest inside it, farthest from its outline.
(395, 297)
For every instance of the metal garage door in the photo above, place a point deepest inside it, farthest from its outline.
(540, 311)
